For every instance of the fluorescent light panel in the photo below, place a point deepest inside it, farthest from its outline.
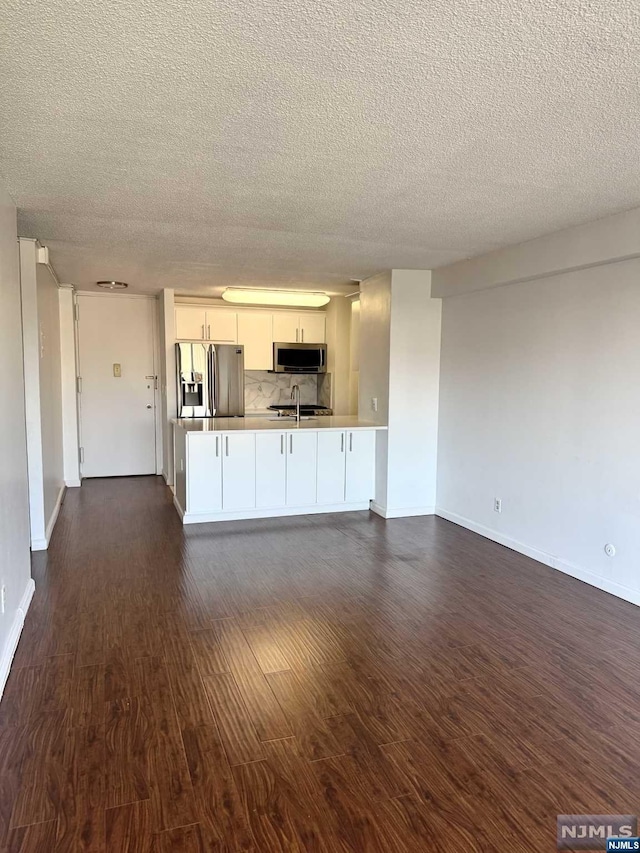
(300, 298)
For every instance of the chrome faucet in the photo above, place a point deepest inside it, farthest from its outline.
(295, 395)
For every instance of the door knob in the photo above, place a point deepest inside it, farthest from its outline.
(149, 407)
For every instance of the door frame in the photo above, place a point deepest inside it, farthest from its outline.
(155, 334)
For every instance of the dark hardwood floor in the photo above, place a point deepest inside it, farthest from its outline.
(323, 683)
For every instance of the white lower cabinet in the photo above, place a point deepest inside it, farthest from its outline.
(204, 473)
(360, 465)
(238, 471)
(302, 463)
(331, 467)
(271, 469)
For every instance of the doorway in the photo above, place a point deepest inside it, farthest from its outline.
(117, 385)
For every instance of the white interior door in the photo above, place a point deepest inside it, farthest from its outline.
(117, 399)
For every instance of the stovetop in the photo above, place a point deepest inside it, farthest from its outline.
(286, 406)
(305, 408)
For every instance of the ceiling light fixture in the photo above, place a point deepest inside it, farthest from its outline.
(301, 298)
(112, 285)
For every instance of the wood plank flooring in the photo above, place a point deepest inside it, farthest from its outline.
(323, 683)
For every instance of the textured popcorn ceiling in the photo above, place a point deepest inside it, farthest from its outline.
(201, 143)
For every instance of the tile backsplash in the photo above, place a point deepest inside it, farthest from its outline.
(263, 389)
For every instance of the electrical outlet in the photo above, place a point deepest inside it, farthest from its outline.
(497, 505)
(3, 598)
(374, 404)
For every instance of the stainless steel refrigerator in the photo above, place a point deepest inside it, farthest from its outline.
(210, 380)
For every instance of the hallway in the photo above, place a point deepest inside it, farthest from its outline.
(329, 683)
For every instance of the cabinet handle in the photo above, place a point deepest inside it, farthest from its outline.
(342, 443)
(203, 331)
(291, 443)
(226, 445)
(281, 445)
(297, 333)
(209, 332)
(302, 335)
(217, 446)
(350, 442)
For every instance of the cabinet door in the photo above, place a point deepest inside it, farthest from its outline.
(255, 334)
(313, 328)
(204, 472)
(331, 467)
(271, 469)
(302, 453)
(191, 323)
(238, 471)
(285, 327)
(361, 465)
(222, 326)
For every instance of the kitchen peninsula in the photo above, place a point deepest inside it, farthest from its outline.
(242, 468)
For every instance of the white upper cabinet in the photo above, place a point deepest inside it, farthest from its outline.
(255, 333)
(201, 324)
(255, 330)
(191, 323)
(313, 328)
(222, 326)
(292, 327)
(286, 327)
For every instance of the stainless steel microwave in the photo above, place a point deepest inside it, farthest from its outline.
(299, 358)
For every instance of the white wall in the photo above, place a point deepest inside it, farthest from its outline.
(338, 352)
(50, 392)
(600, 242)
(69, 372)
(413, 393)
(168, 402)
(354, 357)
(15, 567)
(399, 365)
(540, 407)
(373, 381)
(43, 406)
(375, 339)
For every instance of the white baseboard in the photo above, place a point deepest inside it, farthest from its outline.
(176, 504)
(624, 592)
(248, 514)
(405, 512)
(43, 544)
(73, 484)
(14, 634)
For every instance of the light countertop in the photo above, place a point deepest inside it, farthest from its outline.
(253, 424)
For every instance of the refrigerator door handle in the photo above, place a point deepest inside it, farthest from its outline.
(214, 382)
